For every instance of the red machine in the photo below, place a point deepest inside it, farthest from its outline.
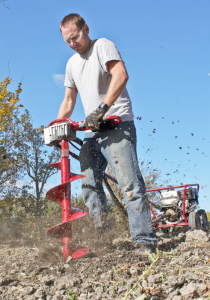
(178, 207)
(62, 131)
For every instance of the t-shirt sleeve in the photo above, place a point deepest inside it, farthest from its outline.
(107, 52)
(69, 81)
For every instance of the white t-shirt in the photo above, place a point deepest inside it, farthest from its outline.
(88, 73)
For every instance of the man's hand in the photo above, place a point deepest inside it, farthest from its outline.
(93, 119)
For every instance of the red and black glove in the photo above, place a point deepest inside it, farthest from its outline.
(93, 119)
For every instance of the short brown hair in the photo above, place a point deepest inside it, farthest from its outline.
(73, 18)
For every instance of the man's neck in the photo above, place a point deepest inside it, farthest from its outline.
(88, 45)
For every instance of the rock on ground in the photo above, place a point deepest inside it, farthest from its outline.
(109, 271)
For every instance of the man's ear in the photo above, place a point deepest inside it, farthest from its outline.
(86, 29)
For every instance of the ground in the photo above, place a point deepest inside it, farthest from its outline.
(179, 270)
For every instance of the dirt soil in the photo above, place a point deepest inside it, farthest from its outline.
(179, 270)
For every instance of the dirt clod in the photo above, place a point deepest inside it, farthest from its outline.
(110, 270)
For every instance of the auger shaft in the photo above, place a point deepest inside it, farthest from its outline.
(66, 202)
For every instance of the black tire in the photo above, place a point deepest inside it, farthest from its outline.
(203, 218)
(194, 220)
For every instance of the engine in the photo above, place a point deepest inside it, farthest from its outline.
(172, 204)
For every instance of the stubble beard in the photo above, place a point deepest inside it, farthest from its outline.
(84, 48)
(80, 50)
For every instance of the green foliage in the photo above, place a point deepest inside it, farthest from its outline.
(24, 167)
(9, 110)
(8, 102)
(208, 215)
(18, 214)
(72, 295)
(171, 253)
(77, 199)
(33, 159)
(153, 256)
(152, 178)
(163, 277)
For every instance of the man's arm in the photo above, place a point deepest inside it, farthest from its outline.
(118, 82)
(116, 86)
(67, 106)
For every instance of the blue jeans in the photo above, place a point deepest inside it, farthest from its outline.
(118, 148)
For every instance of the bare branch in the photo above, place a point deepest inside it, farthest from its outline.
(3, 1)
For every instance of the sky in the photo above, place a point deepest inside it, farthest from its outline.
(165, 46)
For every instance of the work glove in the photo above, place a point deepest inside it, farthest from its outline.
(93, 119)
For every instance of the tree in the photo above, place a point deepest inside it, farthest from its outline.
(35, 160)
(25, 160)
(9, 110)
(8, 102)
(29, 161)
(9, 170)
(153, 180)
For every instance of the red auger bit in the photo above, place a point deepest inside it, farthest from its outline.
(61, 194)
(61, 132)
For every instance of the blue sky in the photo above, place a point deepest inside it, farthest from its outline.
(165, 46)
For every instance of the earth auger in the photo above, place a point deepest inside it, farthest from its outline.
(177, 208)
(59, 133)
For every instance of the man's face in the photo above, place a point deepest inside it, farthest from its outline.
(76, 38)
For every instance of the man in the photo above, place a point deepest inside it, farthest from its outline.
(98, 73)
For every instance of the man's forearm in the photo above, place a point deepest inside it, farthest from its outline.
(116, 87)
(66, 109)
(67, 106)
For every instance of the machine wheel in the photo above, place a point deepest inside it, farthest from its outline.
(194, 220)
(203, 218)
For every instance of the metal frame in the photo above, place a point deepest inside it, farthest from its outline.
(185, 223)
